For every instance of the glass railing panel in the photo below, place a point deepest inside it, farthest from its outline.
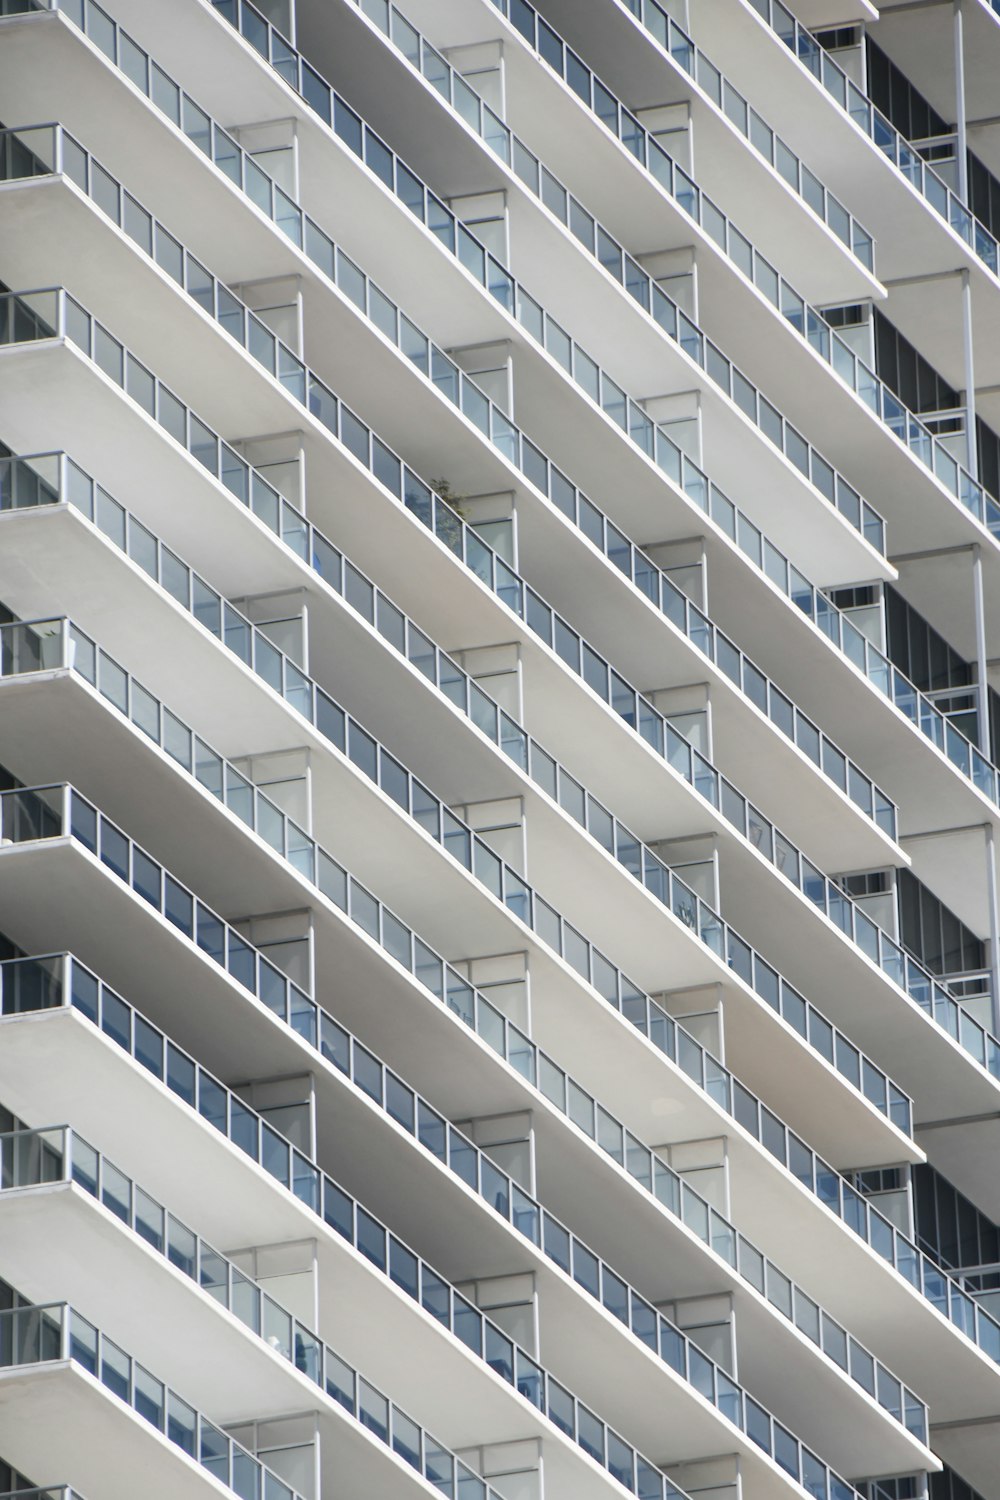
(32, 646)
(192, 592)
(335, 1044)
(904, 156)
(775, 566)
(31, 1335)
(31, 153)
(29, 1158)
(866, 384)
(28, 482)
(62, 1155)
(154, 719)
(553, 50)
(31, 813)
(27, 317)
(240, 323)
(29, 984)
(451, 1149)
(636, 282)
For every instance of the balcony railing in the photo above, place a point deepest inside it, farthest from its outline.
(30, 1158)
(54, 1332)
(491, 569)
(983, 1283)
(317, 245)
(914, 432)
(452, 989)
(347, 1217)
(24, 482)
(254, 809)
(595, 94)
(74, 323)
(228, 1114)
(30, 643)
(905, 157)
(39, 150)
(41, 813)
(606, 250)
(919, 434)
(698, 488)
(916, 706)
(31, 984)
(693, 482)
(416, 198)
(51, 478)
(29, 814)
(26, 644)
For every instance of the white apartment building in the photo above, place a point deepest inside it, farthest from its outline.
(499, 726)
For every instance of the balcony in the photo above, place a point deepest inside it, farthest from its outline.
(677, 912)
(553, 1289)
(235, 1349)
(480, 558)
(541, 534)
(472, 254)
(697, 1430)
(741, 524)
(559, 872)
(79, 1396)
(767, 1309)
(918, 50)
(817, 1177)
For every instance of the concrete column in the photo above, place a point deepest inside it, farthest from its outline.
(511, 1301)
(509, 1141)
(982, 689)
(971, 446)
(513, 1468)
(994, 916)
(960, 143)
(962, 155)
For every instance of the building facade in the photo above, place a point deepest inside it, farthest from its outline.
(499, 655)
